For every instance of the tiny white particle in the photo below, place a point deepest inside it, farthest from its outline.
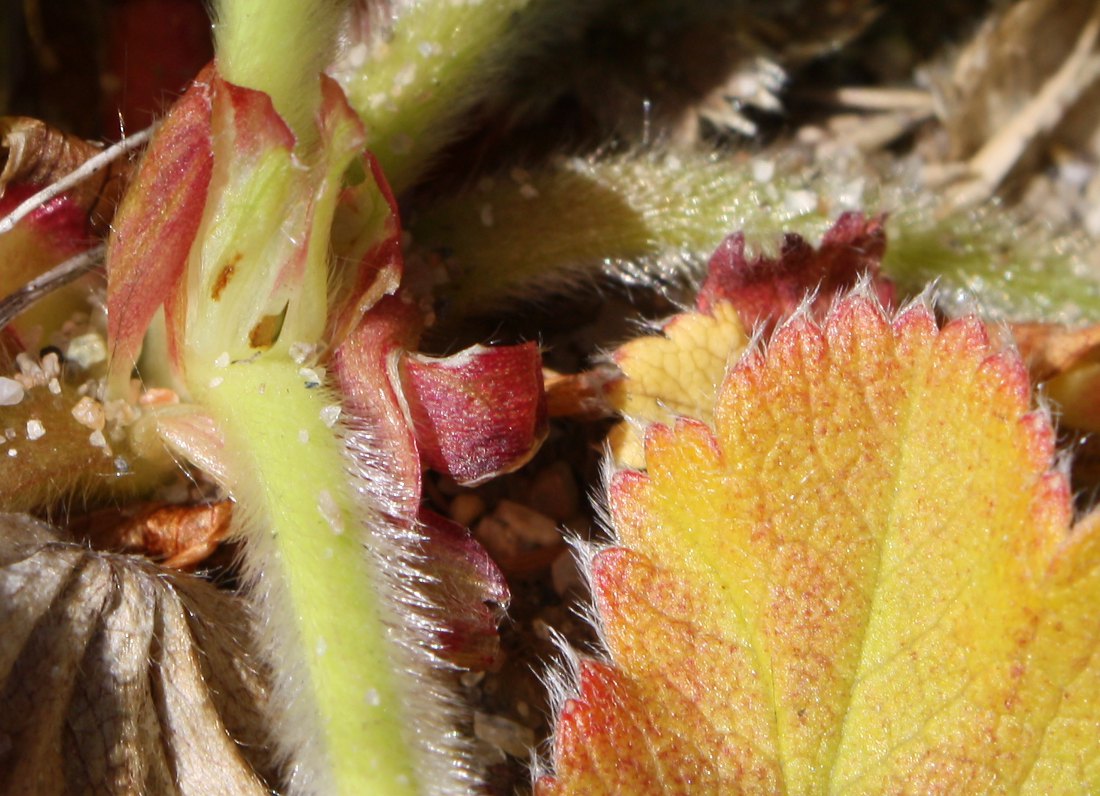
(300, 352)
(329, 552)
(763, 170)
(51, 365)
(303, 436)
(11, 392)
(223, 360)
(89, 413)
(216, 382)
(330, 414)
(486, 215)
(373, 698)
(801, 202)
(35, 429)
(322, 648)
(87, 350)
(357, 55)
(54, 386)
(27, 366)
(97, 440)
(404, 78)
(313, 376)
(429, 49)
(13, 452)
(10, 433)
(326, 504)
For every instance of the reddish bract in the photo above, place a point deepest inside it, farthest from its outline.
(766, 289)
(479, 413)
(469, 587)
(156, 224)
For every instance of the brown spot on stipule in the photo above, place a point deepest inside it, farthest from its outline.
(266, 332)
(224, 277)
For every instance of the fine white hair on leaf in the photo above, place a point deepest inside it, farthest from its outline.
(560, 679)
(600, 504)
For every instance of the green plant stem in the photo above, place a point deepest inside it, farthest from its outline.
(414, 88)
(647, 218)
(658, 220)
(306, 540)
(279, 47)
(1016, 271)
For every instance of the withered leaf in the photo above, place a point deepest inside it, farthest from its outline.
(1050, 350)
(116, 677)
(35, 154)
(178, 537)
(1068, 360)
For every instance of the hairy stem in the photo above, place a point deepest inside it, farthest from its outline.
(306, 551)
(649, 218)
(413, 89)
(657, 219)
(279, 47)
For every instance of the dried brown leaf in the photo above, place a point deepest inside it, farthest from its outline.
(1068, 360)
(1025, 85)
(117, 678)
(1008, 60)
(581, 396)
(34, 153)
(1051, 349)
(179, 537)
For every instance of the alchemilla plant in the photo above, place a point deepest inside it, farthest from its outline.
(814, 476)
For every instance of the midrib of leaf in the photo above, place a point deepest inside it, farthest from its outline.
(752, 631)
(904, 428)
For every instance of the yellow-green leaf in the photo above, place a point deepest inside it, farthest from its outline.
(860, 578)
(676, 374)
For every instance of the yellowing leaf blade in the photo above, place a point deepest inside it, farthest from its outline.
(856, 580)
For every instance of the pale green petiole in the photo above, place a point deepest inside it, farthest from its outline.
(256, 283)
(650, 218)
(279, 47)
(289, 476)
(412, 89)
